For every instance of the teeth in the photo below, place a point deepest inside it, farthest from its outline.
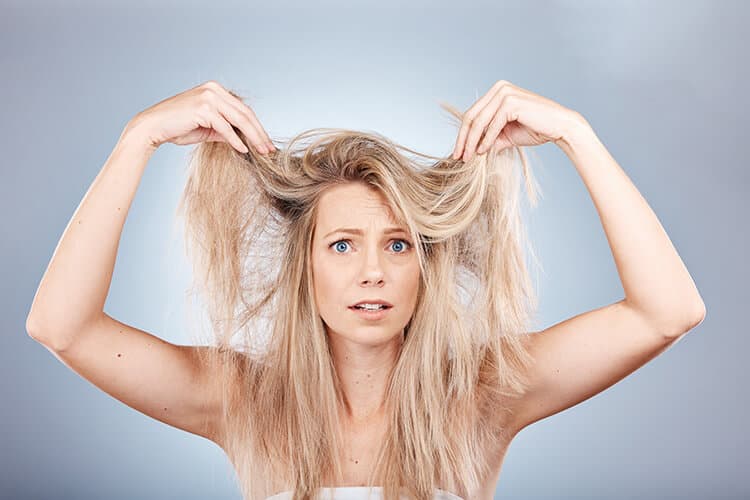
(373, 307)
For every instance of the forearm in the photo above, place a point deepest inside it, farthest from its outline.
(75, 285)
(654, 278)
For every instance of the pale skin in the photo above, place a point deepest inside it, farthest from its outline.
(350, 267)
(575, 359)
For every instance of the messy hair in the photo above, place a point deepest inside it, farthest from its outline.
(249, 222)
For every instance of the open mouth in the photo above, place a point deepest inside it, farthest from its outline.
(370, 309)
(371, 314)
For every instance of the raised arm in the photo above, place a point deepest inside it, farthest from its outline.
(157, 378)
(591, 351)
(73, 290)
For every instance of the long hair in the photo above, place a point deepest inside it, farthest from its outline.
(249, 222)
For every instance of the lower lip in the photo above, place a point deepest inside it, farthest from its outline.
(371, 315)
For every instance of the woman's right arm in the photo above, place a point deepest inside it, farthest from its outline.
(155, 377)
(74, 287)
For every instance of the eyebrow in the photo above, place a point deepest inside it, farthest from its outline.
(351, 230)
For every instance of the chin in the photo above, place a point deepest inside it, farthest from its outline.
(371, 335)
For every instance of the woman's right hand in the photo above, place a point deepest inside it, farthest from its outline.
(203, 113)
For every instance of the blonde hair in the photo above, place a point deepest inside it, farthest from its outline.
(249, 223)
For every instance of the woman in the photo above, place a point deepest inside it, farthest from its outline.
(394, 298)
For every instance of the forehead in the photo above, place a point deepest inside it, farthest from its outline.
(351, 204)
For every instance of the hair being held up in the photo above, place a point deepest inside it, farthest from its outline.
(249, 221)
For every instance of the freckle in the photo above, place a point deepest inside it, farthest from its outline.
(356, 461)
(118, 208)
(165, 408)
(368, 374)
(118, 354)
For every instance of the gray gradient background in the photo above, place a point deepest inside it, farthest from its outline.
(662, 83)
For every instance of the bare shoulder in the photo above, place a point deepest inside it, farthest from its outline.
(165, 381)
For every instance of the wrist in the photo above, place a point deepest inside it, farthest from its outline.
(135, 135)
(577, 135)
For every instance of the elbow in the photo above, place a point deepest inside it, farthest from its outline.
(700, 312)
(40, 331)
(35, 320)
(672, 320)
(36, 332)
(687, 320)
(32, 327)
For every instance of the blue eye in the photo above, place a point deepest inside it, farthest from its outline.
(339, 241)
(399, 242)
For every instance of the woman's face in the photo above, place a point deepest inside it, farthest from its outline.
(348, 267)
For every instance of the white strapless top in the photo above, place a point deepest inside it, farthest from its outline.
(359, 493)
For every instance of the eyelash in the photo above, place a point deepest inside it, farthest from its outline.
(349, 242)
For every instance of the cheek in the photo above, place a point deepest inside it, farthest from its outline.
(327, 285)
(410, 287)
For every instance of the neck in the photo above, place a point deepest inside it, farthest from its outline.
(363, 372)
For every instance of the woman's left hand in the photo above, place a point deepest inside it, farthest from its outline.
(516, 117)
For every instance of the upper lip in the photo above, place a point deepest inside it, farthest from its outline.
(372, 301)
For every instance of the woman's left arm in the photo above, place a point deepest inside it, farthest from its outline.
(589, 352)
(653, 276)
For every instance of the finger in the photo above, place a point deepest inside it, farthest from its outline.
(470, 115)
(220, 124)
(254, 119)
(496, 125)
(492, 110)
(248, 112)
(244, 119)
(237, 118)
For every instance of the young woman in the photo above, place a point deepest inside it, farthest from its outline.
(369, 315)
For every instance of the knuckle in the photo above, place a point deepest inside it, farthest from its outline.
(505, 100)
(486, 112)
(510, 100)
(502, 94)
(212, 84)
(209, 96)
(205, 109)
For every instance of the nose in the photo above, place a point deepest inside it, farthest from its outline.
(372, 273)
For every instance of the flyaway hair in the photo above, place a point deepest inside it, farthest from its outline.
(249, 222)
